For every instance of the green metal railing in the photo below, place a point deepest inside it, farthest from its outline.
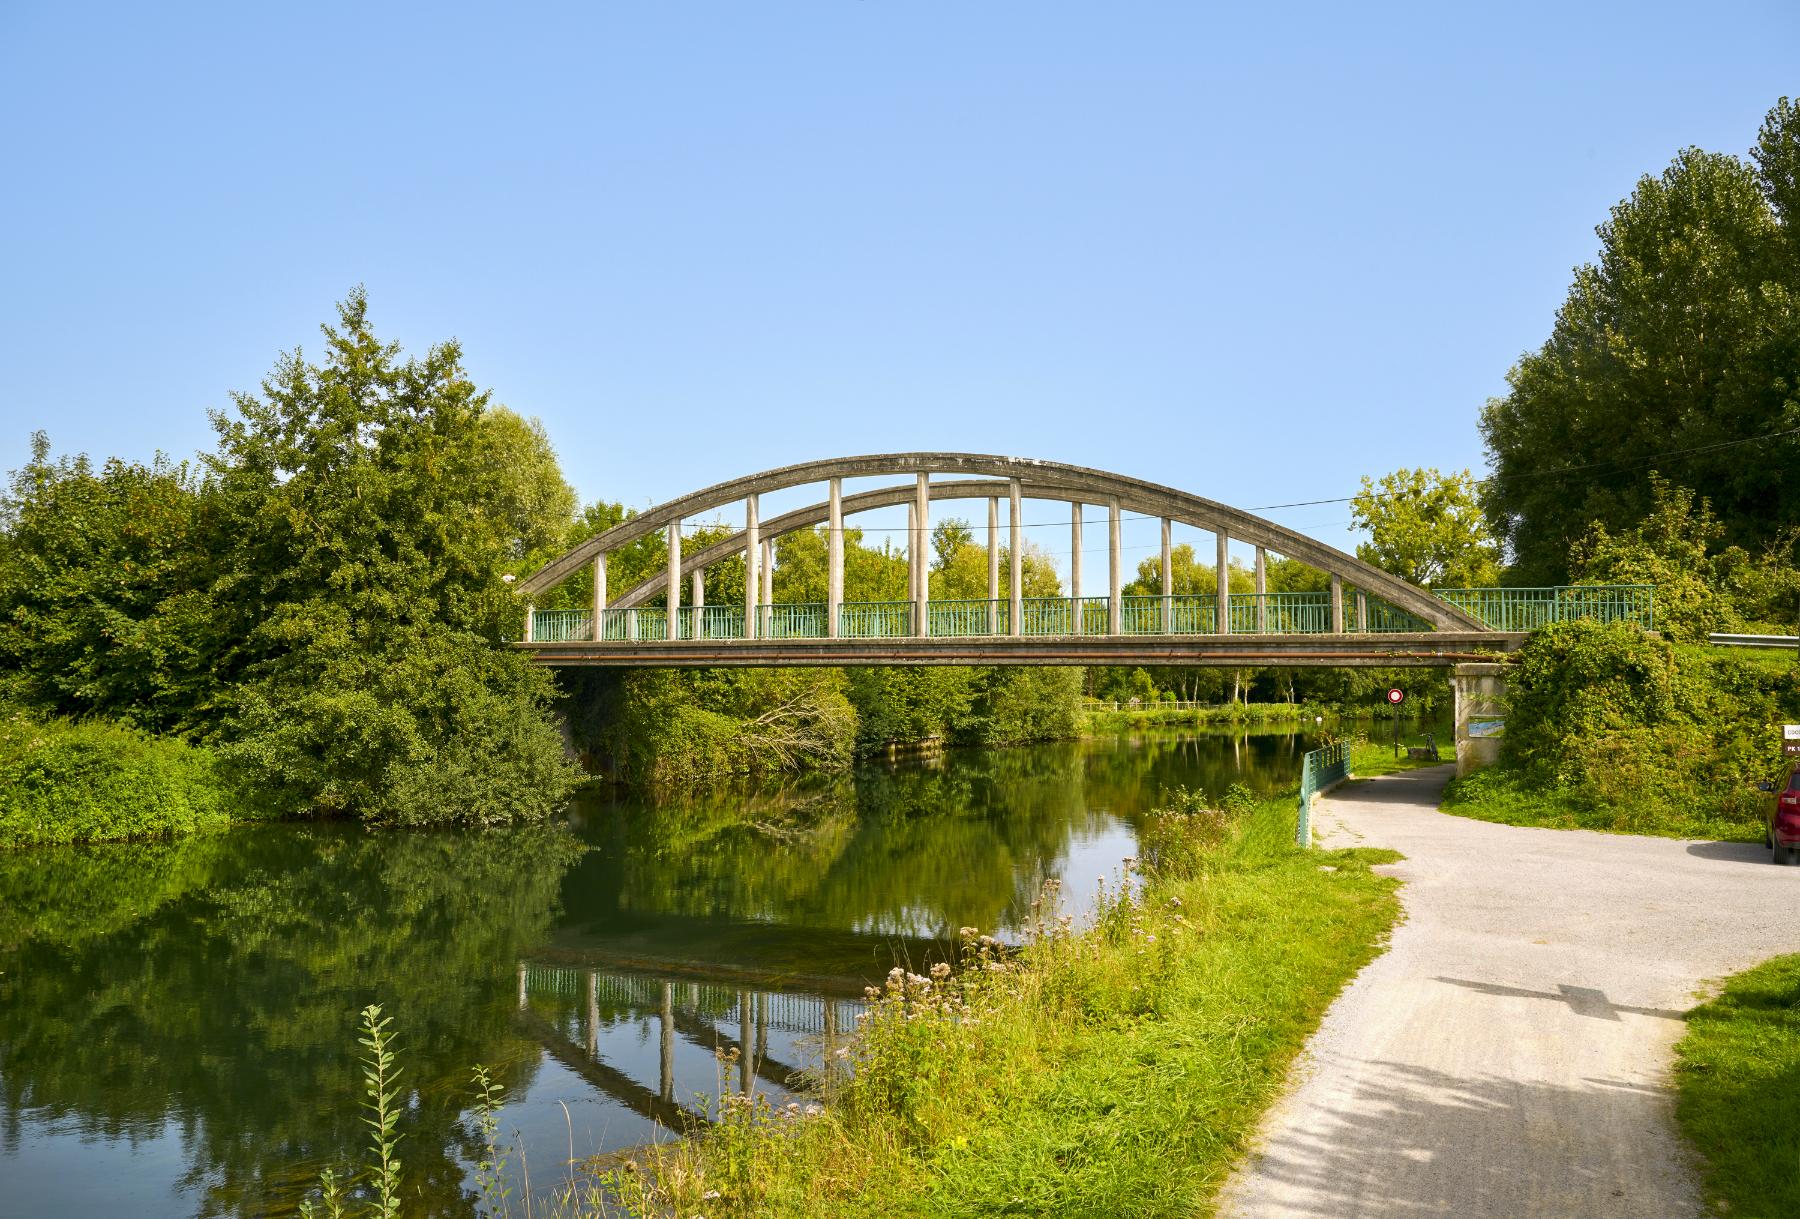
(1319, 771)
(1528, 609)
(1303, 613)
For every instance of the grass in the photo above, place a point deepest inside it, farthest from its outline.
(1737, 1079)
(1116, 1072)
(1502, 795)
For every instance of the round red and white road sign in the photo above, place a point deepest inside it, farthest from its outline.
(1396, 696)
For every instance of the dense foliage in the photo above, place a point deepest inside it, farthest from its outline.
(322, 601)
(1678, 345)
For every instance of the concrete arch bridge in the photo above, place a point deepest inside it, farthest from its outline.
(1364, 617)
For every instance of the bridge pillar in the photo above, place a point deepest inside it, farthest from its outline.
(751, 549)
(1480, 691)
(834, 559)
(1222, 584)
(1016, 564)
(1075, 568)
(1362, 610)
(1337, 605)
(530, 620)
(767, 567)
(674, 580)
(599, 596)
(922, 595)
(1168, 579)
(697, 590)
(1115, 606)
(1262, 591)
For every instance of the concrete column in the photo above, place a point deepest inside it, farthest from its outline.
(922, 597)
(1168, 577)
(530, 620)
(1115, 610)
(993, 563)
(1337, 605)
(1224, 582)
(1262, 591)
(834, 560)
(675, 580)
(768, 571)
(599, 597)
(1362, 610)
(912, 552)
(697, 591)
(752, 548)
(1016, 567)
(1075, 569)
(1480, 691)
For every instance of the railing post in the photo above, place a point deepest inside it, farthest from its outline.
(1016, 560)
(1223, 583)
(674, 631)
(1115, 609)
(922, 594)
(834, 559)
(752, 549)
(1337, 605)
(1262, 591)
(1075, 569)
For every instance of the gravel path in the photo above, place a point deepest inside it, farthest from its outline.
(1508, 1056)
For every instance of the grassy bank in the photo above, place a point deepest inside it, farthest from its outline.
(1115, 1072)
(1737, 1082)
(1101, 719)
(1512, 798)
(67, 782)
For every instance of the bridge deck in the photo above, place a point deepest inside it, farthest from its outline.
(1425, 648)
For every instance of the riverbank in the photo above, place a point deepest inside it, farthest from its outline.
(1118, 1071)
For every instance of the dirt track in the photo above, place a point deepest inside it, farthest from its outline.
(1509, 1055)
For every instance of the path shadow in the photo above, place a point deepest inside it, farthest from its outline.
(1732, 852)
(1414, 1142)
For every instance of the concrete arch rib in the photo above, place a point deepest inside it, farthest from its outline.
(1041, 479)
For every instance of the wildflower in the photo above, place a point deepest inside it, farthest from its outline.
(941, 970)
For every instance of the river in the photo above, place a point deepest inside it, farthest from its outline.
(177, 1019)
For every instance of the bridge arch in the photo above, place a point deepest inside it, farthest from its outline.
(967, 476)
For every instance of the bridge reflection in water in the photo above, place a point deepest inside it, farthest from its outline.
(592, 1021)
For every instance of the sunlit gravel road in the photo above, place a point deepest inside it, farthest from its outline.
(1509, 1055)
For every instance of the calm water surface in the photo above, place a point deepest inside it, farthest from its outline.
(176, 1020)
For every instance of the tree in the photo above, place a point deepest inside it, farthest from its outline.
(1427, 528)
(1679, 344)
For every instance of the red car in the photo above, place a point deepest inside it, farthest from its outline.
(1782, 817)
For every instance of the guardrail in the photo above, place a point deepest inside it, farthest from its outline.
(1292, 613)
(1320, 771)
(1754, 641)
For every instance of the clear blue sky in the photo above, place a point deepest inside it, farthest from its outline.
(1251, 254)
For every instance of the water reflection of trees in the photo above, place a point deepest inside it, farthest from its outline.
(215, 988)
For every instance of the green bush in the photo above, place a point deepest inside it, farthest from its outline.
(63, 781)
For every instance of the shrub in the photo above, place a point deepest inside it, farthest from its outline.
(64, 781)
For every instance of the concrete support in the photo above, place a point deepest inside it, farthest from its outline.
(1115, 607)
(834, 559)
(1016, 558)
(767, 567)
(1262, 591)
(1223, 583)
(697, 591)
(1167, 617)
(993, 551)
(1362, 610)
(1337, 605)
(530, 620)
(1480, 691)
(912, 552)
(922, 597)
(674, 579)
(752, 548)
(1075, 569)
(599, 596)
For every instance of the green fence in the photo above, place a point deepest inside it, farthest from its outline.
(1301, 613)
(1320, 770)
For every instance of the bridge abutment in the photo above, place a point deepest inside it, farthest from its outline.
(1480, 695)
